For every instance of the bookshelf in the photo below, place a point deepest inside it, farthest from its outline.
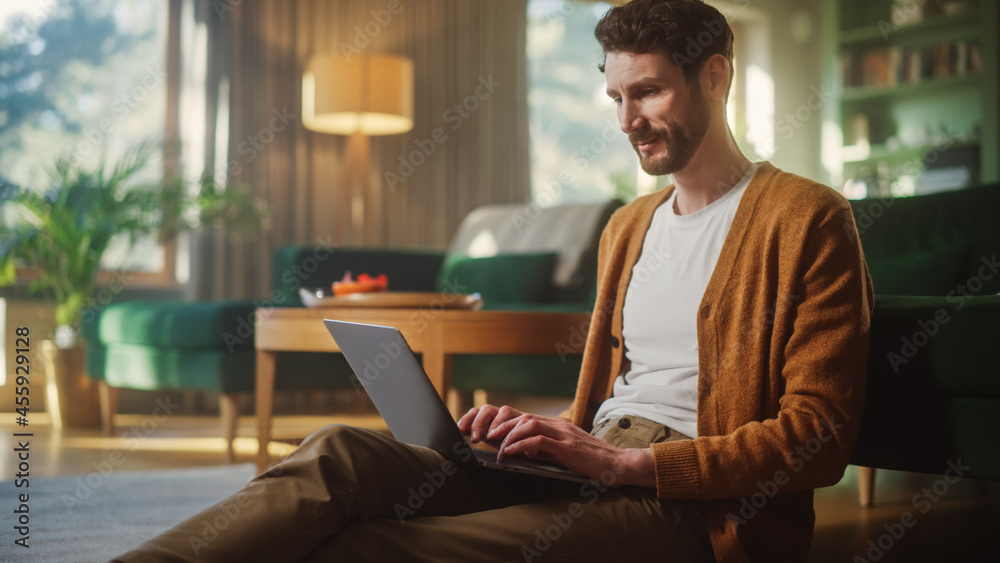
(917, 92)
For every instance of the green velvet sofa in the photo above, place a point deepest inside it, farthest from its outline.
(515, 256)
(157, 345)
(933, 396)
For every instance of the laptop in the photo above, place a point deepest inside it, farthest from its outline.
(406, 399)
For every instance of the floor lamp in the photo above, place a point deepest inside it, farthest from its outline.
(358, 96)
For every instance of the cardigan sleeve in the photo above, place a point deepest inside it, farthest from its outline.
(807, 442)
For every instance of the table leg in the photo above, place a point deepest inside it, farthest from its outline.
(437, 364)
(266, 364)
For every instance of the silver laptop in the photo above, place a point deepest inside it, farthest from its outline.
(406, 399)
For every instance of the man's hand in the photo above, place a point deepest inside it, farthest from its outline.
(481, 422)
(552, 439)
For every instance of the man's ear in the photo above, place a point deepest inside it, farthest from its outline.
(714, 77)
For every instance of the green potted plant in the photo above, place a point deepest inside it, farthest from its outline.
(60, 235)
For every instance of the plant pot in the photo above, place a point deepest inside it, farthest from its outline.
(71, 397)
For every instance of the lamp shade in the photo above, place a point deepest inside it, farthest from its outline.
(371, 94)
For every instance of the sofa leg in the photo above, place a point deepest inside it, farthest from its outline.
(108, 397)
(866, 486)
(229, 412)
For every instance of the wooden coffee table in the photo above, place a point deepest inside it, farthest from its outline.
(437, 334)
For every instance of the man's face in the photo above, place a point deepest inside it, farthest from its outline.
(664, 117)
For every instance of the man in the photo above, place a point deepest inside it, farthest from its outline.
(722, 378)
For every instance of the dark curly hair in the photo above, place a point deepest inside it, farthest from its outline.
(688, 32)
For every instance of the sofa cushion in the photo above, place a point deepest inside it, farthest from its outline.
(207, 324)
(500, 279)
(931, 272)
(570, 230)
(135, 366)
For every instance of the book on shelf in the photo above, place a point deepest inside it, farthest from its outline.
(891, 66)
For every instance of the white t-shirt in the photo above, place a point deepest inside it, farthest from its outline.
(659, 317)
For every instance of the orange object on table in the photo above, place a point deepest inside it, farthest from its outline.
(364, 284)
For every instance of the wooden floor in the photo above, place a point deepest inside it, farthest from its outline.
(961, 526)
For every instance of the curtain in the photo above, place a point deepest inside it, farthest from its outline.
(468, 146)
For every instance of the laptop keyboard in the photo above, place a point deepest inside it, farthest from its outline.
(491, 457)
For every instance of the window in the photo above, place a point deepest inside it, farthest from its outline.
(578, 152)
(83, 80)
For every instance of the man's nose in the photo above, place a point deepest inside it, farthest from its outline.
(629, 117)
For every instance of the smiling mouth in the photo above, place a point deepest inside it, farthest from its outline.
(644, 146)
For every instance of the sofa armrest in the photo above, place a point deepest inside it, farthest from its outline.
(933, 394)
(936, 344)
(311, 266)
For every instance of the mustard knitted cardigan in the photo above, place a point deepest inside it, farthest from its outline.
(783, 334)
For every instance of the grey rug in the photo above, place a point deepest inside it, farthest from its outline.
(92, 518)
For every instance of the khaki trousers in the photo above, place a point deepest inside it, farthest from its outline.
(349, 494)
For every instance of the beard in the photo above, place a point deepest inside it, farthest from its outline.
(681, 139)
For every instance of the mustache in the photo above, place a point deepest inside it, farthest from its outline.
(646, 134)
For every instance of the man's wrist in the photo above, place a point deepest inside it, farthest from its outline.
(640, 467)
